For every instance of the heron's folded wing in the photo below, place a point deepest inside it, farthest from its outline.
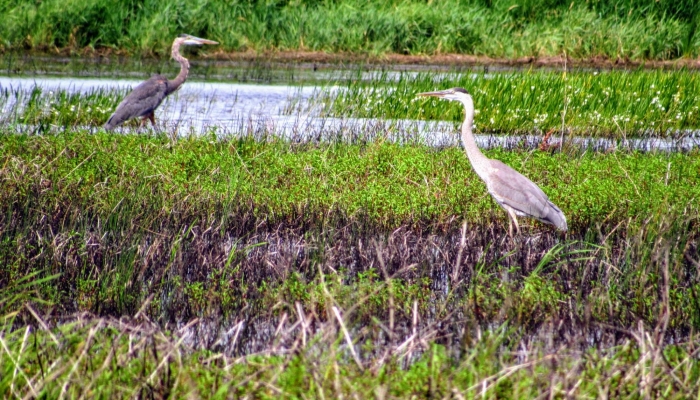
(141, 101)
(511, 188)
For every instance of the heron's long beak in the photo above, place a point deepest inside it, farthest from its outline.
(193, 40)
(439, 93)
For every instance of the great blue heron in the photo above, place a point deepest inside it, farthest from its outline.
(146, 97)
(514, 192)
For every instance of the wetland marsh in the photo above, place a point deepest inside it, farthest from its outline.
(617, 30)
(297, 252)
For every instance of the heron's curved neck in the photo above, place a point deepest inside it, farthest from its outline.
(478, 160)
(174, 84)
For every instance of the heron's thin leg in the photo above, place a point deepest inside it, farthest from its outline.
(512, 220)
(510, 226)
(153, 119)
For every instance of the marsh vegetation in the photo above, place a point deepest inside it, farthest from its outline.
(155, 264)
(285, 251)
(613, 104)
(610, 104)
(614, 29)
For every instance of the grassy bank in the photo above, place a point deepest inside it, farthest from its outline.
(613, 104)
(626, 29)
(245, 267)
(388, 183)
(143, 210)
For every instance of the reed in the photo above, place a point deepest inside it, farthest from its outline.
(616, 104)
(129, 358)
(627, 29)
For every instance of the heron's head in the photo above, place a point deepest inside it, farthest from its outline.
(457, 94)
(189, 40)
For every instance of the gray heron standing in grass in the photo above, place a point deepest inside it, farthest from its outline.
(518, 195)
(146, 97)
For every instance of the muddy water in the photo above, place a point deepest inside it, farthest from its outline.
(289, 111)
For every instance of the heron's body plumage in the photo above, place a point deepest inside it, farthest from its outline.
(141, 102)
(513, 190)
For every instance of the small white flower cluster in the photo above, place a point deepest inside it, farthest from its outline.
(657, 102)
(621, 118)
(585, 99)
(540, 118)
(517, 112)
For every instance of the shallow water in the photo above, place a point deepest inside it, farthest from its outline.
(197, 105)
(289, 111)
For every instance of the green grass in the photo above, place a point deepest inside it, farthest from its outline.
(125, 359)
(57, 189)
(389, 183)
(612, 104)
(308, 352)
(110, 244)
(39, 110)
(633, 29)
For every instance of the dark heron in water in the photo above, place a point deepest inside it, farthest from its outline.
(514, 192)
(146, 97)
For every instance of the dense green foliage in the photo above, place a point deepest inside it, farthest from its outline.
(612, 104)
(389, 183)
(634, 29)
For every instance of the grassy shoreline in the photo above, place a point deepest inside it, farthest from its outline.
(616, 29)
(106, 60)
(615, 104)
